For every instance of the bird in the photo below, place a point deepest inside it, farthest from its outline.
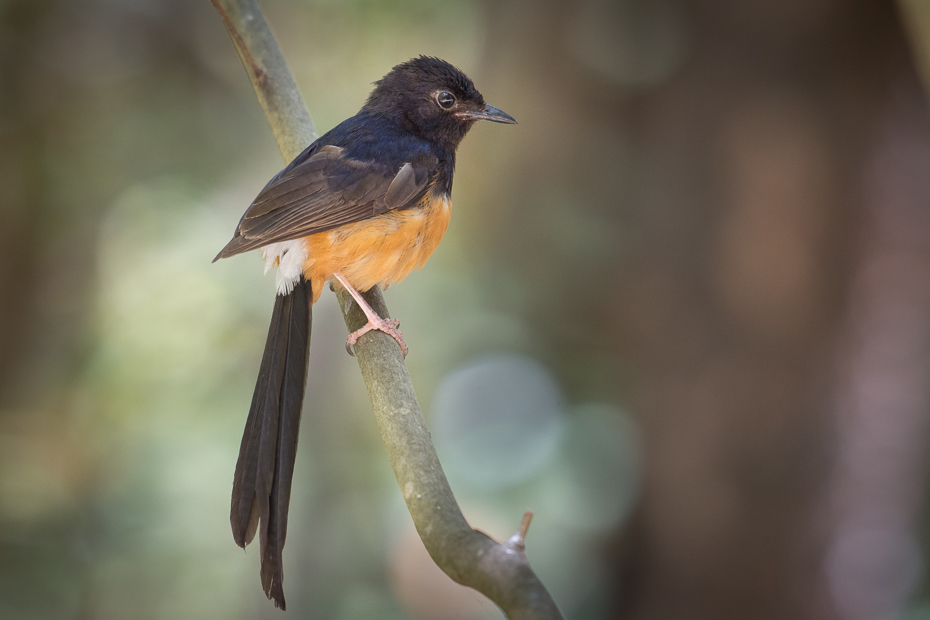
(363, 206)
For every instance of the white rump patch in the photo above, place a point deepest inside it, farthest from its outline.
(289, 258)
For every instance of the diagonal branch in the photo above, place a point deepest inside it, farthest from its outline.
(500, 571)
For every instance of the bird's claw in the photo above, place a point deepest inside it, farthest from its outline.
(388, 326)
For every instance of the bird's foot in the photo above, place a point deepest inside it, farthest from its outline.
(388, 326)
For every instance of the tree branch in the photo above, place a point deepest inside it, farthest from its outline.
(500, 571)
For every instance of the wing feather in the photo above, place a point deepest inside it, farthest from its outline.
(402, 188)
(324, 189)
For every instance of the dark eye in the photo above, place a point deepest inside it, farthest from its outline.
(445, 100)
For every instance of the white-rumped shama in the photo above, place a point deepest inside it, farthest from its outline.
(365, 204)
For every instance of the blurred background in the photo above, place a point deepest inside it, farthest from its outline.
(682, 311)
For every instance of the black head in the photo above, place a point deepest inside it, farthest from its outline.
(432, 99)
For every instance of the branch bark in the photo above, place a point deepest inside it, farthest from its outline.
(500, 571)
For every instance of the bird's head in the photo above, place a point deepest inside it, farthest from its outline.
(433, 99)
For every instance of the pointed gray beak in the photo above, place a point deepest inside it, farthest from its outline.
(489, 113)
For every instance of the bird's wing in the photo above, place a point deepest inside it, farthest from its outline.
(324, 191)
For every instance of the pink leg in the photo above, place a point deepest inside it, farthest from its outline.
(388, 326)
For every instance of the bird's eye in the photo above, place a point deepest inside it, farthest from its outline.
(445, 100)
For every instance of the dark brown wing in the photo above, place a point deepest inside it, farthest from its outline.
(324, 191)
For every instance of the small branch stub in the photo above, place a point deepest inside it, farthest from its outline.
(518, 540)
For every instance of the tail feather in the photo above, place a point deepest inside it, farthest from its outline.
(262, 483)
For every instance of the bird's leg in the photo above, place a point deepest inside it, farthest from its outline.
(388, 326)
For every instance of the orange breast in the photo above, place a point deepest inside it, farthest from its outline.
(378, 251)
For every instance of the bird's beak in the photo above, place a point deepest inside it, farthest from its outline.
(488, 113)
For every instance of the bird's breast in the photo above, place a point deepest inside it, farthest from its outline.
(381, 250)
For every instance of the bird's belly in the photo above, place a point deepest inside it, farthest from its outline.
(378, 251)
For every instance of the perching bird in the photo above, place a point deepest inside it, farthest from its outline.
(364, 205)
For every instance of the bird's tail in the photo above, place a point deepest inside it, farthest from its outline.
(262, 485)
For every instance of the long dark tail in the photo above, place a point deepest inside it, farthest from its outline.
(262, 486)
